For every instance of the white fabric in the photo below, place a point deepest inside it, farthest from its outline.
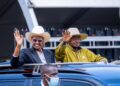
(42, 83)
(15, 56)
(42, 57)
(101, 62)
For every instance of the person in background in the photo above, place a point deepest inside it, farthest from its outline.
(69, 49)
(36, 54)
(49, 75)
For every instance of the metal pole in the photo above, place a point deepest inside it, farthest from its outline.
(28, 13)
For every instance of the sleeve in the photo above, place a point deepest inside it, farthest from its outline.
(93, 57)
(60, 52)
(18, 61)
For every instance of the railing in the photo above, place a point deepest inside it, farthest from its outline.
(97, 42)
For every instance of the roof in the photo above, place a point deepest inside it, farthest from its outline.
(103, 71)
(60, 17)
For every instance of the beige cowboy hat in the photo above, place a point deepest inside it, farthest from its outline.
(75, 32)
(38, 31)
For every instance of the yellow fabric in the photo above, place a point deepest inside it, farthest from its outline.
(66, 53)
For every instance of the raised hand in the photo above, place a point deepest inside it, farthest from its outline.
(18, 37)
(66, 36)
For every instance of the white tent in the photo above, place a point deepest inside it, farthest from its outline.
(28, 5)
(76, 3)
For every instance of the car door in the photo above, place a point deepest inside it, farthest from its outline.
(75, 82)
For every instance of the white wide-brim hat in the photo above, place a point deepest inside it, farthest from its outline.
(38, 31)
(75, 32)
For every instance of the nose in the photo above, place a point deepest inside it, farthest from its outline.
(37, 41)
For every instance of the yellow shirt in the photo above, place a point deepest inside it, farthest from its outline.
(66, 53)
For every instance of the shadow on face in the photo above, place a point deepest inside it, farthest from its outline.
(75, 41)
(37, 42)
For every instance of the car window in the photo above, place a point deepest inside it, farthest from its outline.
(114, 84)
(67, 82)
(11, 82)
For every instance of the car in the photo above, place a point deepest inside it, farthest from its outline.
(117, 62)
(78, 74)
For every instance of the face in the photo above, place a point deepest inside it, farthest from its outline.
(51, 76)
(37, 42)
(52, 72)
(75, 41)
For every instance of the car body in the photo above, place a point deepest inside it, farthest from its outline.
(70, 75)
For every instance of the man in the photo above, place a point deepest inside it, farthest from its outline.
(36, 54)
(49, 74)
(69, 49)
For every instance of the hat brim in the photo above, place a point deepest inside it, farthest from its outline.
(82, 36)
(45, 35)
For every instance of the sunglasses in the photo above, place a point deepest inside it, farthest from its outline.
(37, 40)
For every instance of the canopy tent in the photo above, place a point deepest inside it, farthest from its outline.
(65, 13)
(75, 3)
